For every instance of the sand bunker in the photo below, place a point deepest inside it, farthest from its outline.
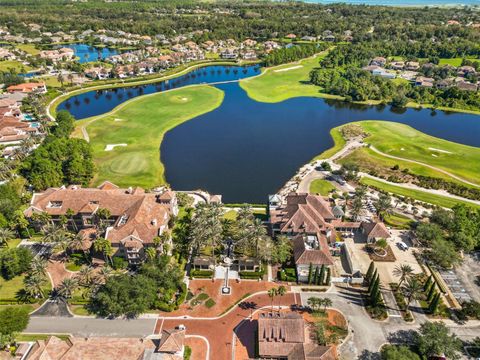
(118, 120)
(439, 150)
(289, 68)
(110, 147)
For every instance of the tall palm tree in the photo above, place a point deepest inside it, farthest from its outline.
(281, 290)
(357, 205)
(5, 235)
(412, 290)
(105, 247)
(38, 267)
(403, 271)
(314, 303)
(271, 294)
(85, 276)
(258, 232)
(102, 275)
(383, 205)
(33, 284)
(67, 287)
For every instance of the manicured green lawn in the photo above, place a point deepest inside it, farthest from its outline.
(35, 337)
(338, 144)
(283, 82)
(28, 48)
(13, 243)
(9, 288)
(141, 124)
(416, 194)
(406, 142)
(13, 64)
(397, 221)
(322, 187)
(368, 160)
(454, 61)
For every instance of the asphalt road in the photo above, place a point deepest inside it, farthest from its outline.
(91, 327)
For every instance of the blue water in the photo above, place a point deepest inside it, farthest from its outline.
(245, 149)
(101, 101)
(401, 2)
(87, 53)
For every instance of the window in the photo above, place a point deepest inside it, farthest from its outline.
(55, 204)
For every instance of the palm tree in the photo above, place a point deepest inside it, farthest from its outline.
(357, 205)
(383, 205)
(70, 214)
(38, 267)
(258, 232)
(281, 290)
(326, 303)
(60, 78)
(102, 276)
(314, 303)
(103, 245)
(33, 286)
(412, 290)
(85, 276)
(76, 243)
(70, 78)
(403, 271)
(67, 287)
(151, 253)
(271, 294)
(5, 235)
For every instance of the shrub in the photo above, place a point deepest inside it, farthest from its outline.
(183, 294)
(209, 303)
(251, 274)
(187, 353)
(202, 297)
(119, 263)
(205, 274)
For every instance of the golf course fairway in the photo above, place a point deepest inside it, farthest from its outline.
(126, 141)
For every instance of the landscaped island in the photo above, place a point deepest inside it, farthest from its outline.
(126, 141)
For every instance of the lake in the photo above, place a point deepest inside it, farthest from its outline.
(245, 149)
(88, 53)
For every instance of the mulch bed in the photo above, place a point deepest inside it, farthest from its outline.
(390, 257)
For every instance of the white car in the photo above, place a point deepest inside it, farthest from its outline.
(402, 245)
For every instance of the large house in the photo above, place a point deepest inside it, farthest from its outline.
(312, 224)
(170, 346)
(28, 88)
(282, 336)
(135, 217)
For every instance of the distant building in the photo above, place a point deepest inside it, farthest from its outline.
(28, 88)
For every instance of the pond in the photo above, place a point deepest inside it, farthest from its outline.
(88, 53)
(245, 149)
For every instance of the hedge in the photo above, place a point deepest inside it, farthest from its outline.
(201, 273)
(183, 294)
(251, 274)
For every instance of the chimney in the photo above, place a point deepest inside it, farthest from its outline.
(154, 222)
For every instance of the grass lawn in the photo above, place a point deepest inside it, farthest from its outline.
(455, 61)
(141, 123)
(9, 288)
(35, 337)
(322, 187)
(406, 142)
(338, 144)
(79, 310)
(416, 194)
(283, 82)
(29, 307)
(397, 221)
(28, 48)
(13, 243)
(51, 81)
(369, 160)
(13, 64)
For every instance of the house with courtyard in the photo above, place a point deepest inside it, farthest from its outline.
(285, 336)
(133, 217)
(313, 224)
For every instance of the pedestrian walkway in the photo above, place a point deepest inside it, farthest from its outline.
(390, 303)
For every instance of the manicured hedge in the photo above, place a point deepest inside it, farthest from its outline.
(201, 273)
(251, 274)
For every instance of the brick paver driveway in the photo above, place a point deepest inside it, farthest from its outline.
(218, 331)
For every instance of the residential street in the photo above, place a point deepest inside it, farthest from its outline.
(366, 335)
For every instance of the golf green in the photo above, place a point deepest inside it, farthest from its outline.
(126, 141)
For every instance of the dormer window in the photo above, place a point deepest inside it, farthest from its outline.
(55, 204)
(123, 220)
(93, 202)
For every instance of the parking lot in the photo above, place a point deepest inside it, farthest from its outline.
(463, 281)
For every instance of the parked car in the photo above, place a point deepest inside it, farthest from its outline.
(402, 246)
